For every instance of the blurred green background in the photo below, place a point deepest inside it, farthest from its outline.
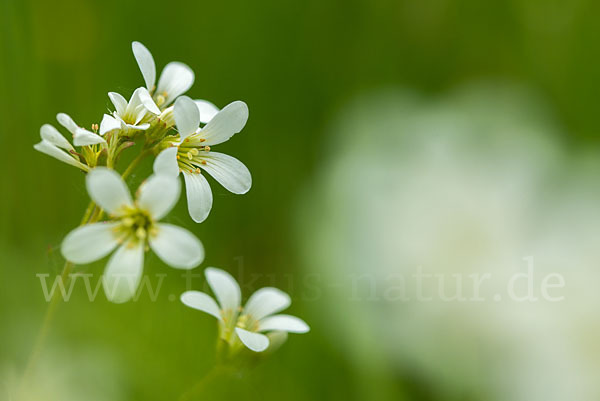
(296, 64)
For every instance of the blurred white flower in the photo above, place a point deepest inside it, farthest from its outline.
(133, 226)
(248, 323)
(175, 79)
(191, 153)
(468, 184)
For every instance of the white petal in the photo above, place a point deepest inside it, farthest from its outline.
(52, 150)
(51, 134)
(147, 101)
(119, 102)
(123, 272)
(254, 341)
(225, 288)
(288, 323)
(88, 243)
(199, 196)
(108, 124)
(266, 301)
(177, 247)
(201, 301)
(135, 108)
(166, 162)
(226, 123)
(229, 171)
(145, 62)
(140, 127)
(175, 79)
(187, 116)
(83, 137)
(66, 121)
(207, 110)
(159, 194)
(108, 190)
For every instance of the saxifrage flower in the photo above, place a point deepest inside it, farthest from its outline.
(190, 153)
(133, 228)
(245, 324)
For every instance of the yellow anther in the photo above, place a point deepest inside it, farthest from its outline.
(177, 157)
(190, 155)
(140, 233)
(204, 162)
(160, 99)
(202, 140)
(128, 221)
(242, 321)
(207, 148)
(197, 171)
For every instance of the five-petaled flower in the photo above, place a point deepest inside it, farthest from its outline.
(133, 227)
(249, 323)
(191, 153)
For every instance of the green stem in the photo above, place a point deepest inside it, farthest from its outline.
(96, 215)
(135, 162)
(88, 213)
(88, 217)
(39, 342)
(199, 386)
(93, 213)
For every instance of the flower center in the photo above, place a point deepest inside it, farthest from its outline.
(247, 322)
(160, 98)
(136, 225)
(189, 157)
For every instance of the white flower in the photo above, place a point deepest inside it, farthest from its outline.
(255, 318)
(175, 79)
(130, 116)
(81, 136)
(192, 153)
(57, 146)
(133, 226)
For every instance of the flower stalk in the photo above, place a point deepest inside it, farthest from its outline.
(92, 214)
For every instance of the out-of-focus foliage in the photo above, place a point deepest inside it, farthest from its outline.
(297, 65)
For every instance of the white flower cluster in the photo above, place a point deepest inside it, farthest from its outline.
(179, 132)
